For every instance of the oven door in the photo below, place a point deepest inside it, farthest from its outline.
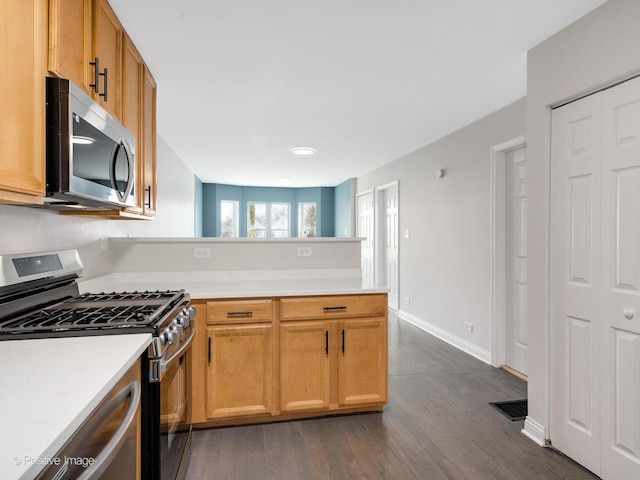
(106, 445)
(175, 430)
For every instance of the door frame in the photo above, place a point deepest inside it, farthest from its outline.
(497, 246)
(379, 229)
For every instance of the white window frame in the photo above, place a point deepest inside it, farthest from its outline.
(269, 230)
(236, 219)
(301, 206)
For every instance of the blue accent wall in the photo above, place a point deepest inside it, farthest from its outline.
(213, 194)
(343, 209)
(197, 208)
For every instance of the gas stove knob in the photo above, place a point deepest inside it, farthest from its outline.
(192, 312)
(177, 329)
(169, 336)
(183, 320)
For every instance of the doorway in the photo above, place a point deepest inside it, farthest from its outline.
(508, 256)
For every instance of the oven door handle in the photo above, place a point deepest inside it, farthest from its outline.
(164, 362)
(113, 446)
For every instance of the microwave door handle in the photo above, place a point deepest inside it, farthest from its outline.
(122, 196)
(113, 446)
(112, 170)
(131, 169)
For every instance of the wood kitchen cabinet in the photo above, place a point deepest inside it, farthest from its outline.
(148, 189)
(334, 363)
(305, 366)
(22, 93)
(239, 370)
(263, 360)
(233, 352)
(139, 117)
(85, 46)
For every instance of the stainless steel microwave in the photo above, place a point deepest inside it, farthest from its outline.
(90, 155)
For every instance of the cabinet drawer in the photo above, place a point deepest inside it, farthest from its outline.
(239, 311)
(333, 306)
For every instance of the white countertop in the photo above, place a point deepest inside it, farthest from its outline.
(49, 387)
(237, 284)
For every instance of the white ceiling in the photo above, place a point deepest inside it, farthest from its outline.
(241, 82)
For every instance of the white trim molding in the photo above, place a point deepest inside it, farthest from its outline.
(534, 432)
(461, 344)
(497, 246)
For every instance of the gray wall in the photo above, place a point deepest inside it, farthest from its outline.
(598, 50)
(444, 265)
(29, 230)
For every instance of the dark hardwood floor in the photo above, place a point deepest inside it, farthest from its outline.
(438, 425)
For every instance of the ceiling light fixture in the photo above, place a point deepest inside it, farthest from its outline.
(283, 179)
(303, 150)
(79, 140)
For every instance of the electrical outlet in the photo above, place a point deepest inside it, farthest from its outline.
(104, 243)
(407, 301)
(304, 251)
(468, 326)
(201, 252)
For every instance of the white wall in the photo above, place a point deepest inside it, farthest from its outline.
(29, 230)
(599, 49)
(444, 265)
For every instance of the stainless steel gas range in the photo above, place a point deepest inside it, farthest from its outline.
(39, 298)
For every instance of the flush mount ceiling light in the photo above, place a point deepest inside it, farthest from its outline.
(283, 179)
(303, 150)
(79, 140)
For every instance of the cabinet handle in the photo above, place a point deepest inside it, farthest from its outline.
(334, 309)
(148, 202)
(239, 314)
(209, 352)
(105, 74)
(96, 75)
(343, 340)
(326, 342)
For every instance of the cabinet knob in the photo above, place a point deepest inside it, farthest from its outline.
(628, 313)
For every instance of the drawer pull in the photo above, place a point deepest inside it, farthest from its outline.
(239, 314)
(334, 309)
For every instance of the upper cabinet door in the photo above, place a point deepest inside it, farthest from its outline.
(107, 47)
(22, 93)
(70, 40)
(149, 147)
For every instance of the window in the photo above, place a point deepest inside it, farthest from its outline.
(229, 219)
(307, 219)
(268, 220)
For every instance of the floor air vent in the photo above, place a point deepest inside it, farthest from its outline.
(514, 409)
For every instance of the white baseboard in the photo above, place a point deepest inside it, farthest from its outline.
(459, 343)
(534, 432)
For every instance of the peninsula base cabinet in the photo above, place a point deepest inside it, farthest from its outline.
(264, 360)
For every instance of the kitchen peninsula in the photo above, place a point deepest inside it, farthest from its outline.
(285, 328)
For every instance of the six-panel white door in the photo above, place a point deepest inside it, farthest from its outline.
(595, 281)
(575, 280)
(620, 336)
(516, 260)
(365, 230)
(390, 201)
